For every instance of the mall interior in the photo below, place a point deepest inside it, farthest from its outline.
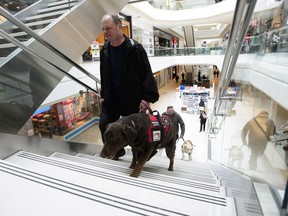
(230, 53)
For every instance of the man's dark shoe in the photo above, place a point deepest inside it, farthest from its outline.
(119, 154)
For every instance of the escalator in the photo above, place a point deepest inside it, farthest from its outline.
(28, 74)
(189, 37)
(190, 42)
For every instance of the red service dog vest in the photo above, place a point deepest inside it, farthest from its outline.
(159, 125)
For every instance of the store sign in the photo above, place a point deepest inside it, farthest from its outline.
(41, 110)
(68, 114)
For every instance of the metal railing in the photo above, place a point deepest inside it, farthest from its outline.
(240, 24)
(259, 44)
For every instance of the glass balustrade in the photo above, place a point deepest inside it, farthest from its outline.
(251, 136)
(260, 44)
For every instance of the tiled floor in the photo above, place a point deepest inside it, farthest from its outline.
(192, 124)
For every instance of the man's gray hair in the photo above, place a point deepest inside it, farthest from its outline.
(116, 19)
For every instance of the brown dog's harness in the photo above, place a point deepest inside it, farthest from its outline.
(158, 127)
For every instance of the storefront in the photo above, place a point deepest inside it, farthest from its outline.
(67, 118)
(164, 43)
(190, 96)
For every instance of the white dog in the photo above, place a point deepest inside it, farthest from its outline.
(187, 147)
(235, 154)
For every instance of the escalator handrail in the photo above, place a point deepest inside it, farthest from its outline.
(240, 37)
(240, 24)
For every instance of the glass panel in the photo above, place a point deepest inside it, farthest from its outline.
(25, 83)
(62, 118)
(248, 146)
(252, 136)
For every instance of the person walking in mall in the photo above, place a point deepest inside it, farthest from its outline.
(177, 78)
(201, 104)
(255, 135)
(203, 119)
(127, 82)
(183, 76)
(177, 121)
(215, 71)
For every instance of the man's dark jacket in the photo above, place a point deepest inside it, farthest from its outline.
(139, 79)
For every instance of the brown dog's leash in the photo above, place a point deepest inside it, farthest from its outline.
(148, 108)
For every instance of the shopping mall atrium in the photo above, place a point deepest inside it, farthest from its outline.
(232, 54)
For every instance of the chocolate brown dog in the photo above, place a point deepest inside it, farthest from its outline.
(132, 130)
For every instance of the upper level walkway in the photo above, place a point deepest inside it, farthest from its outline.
(267, 72)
